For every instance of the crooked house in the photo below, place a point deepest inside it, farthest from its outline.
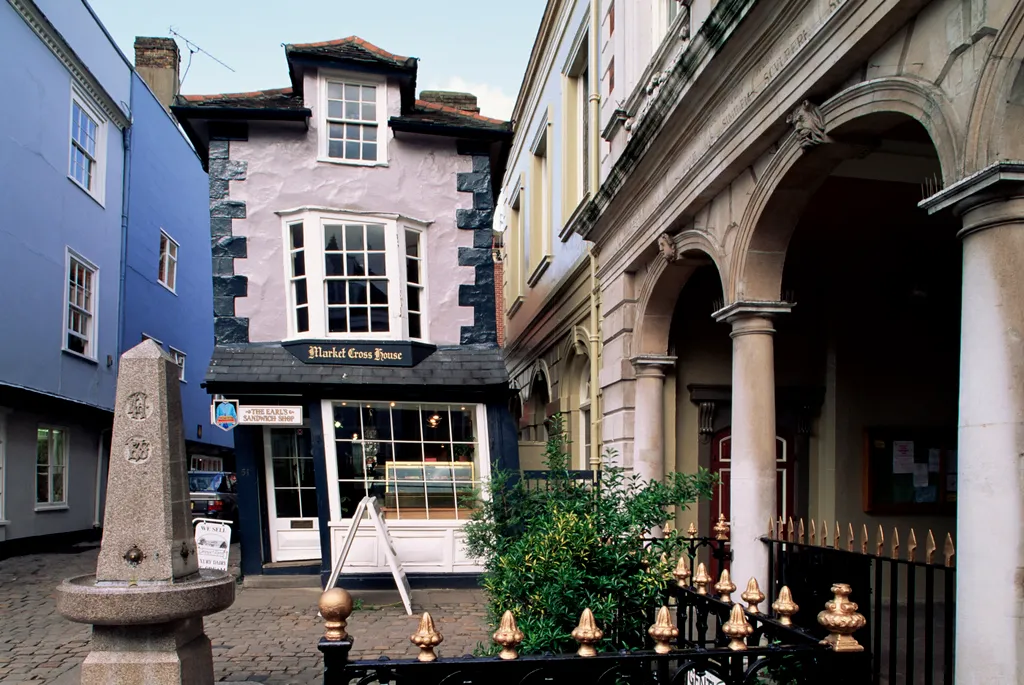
(354, 289)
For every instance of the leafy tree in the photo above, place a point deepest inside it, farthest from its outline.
(551, 551)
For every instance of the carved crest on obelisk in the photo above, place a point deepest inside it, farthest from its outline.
(808, 125)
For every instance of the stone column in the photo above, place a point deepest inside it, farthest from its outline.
(752, 477)
(649, 418)
(990, 471)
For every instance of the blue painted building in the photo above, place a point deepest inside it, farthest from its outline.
(92, 169)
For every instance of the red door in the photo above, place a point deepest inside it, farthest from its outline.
(721, 463)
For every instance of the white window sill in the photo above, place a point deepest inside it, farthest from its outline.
(167, 287)
(84, 358)
(542, 266)
(40, 508)
(3, 523)
(88, 192)
(348, 162)
(514, 307)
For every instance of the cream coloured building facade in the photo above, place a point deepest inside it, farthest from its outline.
(783, 240)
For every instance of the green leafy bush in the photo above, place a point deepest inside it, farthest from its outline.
(549, 552)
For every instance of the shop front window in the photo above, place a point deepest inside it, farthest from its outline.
(421, 461)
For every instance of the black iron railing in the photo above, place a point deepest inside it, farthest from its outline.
(537, 479)
(909, 603)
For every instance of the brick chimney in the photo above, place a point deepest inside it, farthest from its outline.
(157, 61)
(462, 101)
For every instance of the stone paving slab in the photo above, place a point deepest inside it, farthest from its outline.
(267, 636)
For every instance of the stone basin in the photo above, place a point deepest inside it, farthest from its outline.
(79, 599)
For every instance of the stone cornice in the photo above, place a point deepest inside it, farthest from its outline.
(355, 212)
(981, 184)
(83, 78)
(738, 310)
(652, 364)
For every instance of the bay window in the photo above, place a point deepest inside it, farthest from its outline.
(354, 276)
(421, 461)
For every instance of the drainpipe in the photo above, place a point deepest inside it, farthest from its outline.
(594, 171)
(97, 520)
(125, 188)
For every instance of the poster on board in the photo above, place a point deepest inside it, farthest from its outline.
(213, 544)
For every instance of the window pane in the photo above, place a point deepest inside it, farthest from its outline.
(334, 109)
(297, 236)
(58, 447)
(377, 417)
(462, 425)
(375, 237)
(346, 422)
(370, 93)
(76, 344)
(332, 238)
(42, 447)
(369, 152)
(301, 295)
(302, 319)
(351, 150)
(414, 326)
(306, 477)
(412, 243)
(356, 265)
(42, 487)
(352, 131)
(335, 148)
(284, 473)
(357, 292)
(413, 294)
(336, 131)
(287, 502)
(359, 320)
(369, 112)
(172, 273)
(379, 320)
(351, 92)
(334, 264)
(334, 90)
(406, 421)
(336, 320)
(369, 132)
(161, 273)
(436, 424)
(336, 292)
(307, 498)
(57, 484)
(412, 270)
(299, 264)
(354, 237)
(351, 110)
(378, 292)
(375, 264)
(408, 451)
(350, 458)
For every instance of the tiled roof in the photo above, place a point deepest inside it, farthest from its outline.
(444, 115)
(276, 98)
(460, 365)
(350, 49)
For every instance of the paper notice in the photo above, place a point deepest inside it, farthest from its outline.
(920, 475)
(934, 460)
(903, 456)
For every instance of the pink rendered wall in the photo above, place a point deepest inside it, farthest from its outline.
(283, 173)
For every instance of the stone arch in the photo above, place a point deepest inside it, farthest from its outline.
(664, 281)
(795, 173)
(1001, 82)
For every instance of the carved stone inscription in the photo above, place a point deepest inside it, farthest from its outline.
(137, 450)
(138, 406)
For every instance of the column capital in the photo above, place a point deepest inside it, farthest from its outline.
(995, 183)
(735, 311)
(652, 364)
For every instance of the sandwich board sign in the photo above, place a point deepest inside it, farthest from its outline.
(213, 543)
(369, 505)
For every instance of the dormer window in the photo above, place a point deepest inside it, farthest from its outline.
(354, 119)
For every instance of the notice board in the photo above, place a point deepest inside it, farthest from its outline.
(910, 470)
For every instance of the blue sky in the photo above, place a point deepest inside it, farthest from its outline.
(477, 45)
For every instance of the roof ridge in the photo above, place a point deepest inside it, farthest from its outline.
(227, 96)
(427, 104)
(353, 39)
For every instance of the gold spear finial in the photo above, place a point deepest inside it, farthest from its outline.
(426, 638)
(813, 534)
(800, 532)
(335, 607)
(948, 551)
(721, 529)
(771, 527)
(790, 530)
(864, 539)
(725, 587)
(929, 548)
(587, 634)
(737, 629)
(682, 572)
(850, 539)
(701, 579)
(912, 545)
(508, 636)
(752, 596)
(824, 533)
(838, 537)
(663, 632)
(841, 619)
(895, 543)
(691, 532)
(785, 607)
(880, 542)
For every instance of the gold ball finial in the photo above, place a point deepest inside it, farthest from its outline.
(841, 619)
(335, 607)
(426, 638)
(785, 607)
(587, 634)
(737, 629)
(752, 596)
(721, 529)
(508, 636)
(725, 587)
(691, 532)
(663, 632)
(682, 573)
(701, 579)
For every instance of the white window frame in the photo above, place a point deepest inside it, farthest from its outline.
(383, 131)
(179, 358)
(171, 263)
(98, 189)
(70, 255)
(51, 505)
(313, 222)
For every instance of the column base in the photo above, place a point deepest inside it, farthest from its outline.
(165, 654)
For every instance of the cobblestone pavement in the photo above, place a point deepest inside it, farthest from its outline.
(266, 636)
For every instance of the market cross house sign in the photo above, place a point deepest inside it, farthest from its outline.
(401, 353)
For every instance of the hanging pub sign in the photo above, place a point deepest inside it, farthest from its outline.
(225, 414)
(394, 353)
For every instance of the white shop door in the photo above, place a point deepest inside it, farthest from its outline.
(291, 495)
